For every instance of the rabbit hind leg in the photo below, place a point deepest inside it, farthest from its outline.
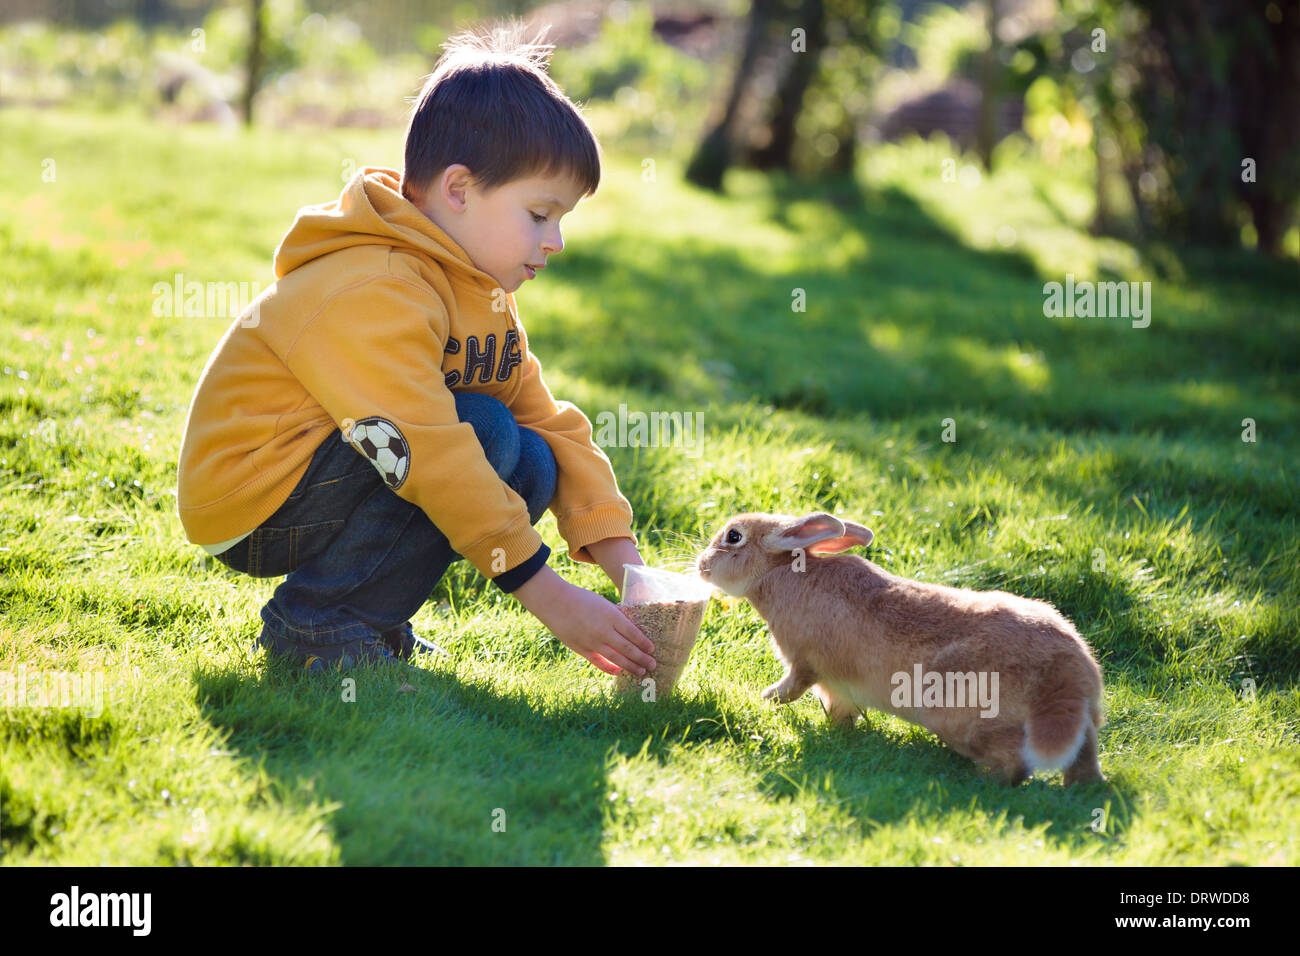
(1085, 767)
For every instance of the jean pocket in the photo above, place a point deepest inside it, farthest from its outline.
(331, 464)
(304, 482)
(273, 552)
(301, 487)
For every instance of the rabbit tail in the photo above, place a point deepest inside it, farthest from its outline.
(1055, 732)
(1064, 735)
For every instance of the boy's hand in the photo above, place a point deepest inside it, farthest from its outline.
(587, 624)
(611, 554)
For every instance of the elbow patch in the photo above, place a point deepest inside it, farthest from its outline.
(383, 443)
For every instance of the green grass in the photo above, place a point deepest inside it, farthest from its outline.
(1097, 466)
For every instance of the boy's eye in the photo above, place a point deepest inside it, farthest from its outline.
(537, 218)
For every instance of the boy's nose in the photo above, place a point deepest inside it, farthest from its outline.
(553, 245)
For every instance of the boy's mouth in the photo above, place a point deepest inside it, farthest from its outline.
(532, 270)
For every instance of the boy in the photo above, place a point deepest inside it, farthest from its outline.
(376, 414)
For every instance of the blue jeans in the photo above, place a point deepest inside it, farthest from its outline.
(359, 559)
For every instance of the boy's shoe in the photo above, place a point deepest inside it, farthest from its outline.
(406, 644)
(318, 658)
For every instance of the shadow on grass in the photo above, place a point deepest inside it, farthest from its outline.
(446, 772)
(916, 323)
(454, 773)
(880, 779)
(428, 776)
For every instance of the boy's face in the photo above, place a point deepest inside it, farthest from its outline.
(505, 230)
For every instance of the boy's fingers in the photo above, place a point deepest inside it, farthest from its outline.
(615, 657)
(635, 636)
(601, 664)
(635, 653)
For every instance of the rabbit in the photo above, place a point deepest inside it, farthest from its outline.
(859, 636)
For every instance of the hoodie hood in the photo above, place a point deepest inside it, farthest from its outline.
(371, 210)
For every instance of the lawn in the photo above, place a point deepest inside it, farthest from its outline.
(1095, 465)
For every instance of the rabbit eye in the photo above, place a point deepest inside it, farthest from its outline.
(734, 537)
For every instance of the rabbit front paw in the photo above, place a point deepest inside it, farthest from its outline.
(790, 687)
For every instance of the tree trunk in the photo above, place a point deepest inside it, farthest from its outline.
(1103, 220)
(986, 134)
(778, 153)
(1265, 84)
(256, 29)
(713, 155)
(846, 157)
(1270, 221)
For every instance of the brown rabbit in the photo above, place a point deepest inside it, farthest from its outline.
(862, 637)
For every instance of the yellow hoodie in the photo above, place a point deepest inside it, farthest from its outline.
(377, 314)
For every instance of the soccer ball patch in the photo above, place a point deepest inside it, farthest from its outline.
(380, 441)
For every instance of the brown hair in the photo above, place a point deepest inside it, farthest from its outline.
(491, 105)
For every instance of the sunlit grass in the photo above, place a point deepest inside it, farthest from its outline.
(1095, 465)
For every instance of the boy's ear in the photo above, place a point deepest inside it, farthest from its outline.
(453, 185)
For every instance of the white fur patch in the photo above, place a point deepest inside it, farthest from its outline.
(1036, 761)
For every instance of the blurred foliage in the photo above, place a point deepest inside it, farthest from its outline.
(1177, 101)
(294, 38)
(43, 63)
(1217, 85)
(836, 103)
(321, 66)
(1161, 114)
(947, 40)
(628, 53)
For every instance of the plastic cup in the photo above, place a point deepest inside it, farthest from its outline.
(668, 608)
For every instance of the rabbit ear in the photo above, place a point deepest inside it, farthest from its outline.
(855, 536)
(802, 532)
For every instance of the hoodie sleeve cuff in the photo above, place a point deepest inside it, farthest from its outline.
(519, 575)
(609, 520)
